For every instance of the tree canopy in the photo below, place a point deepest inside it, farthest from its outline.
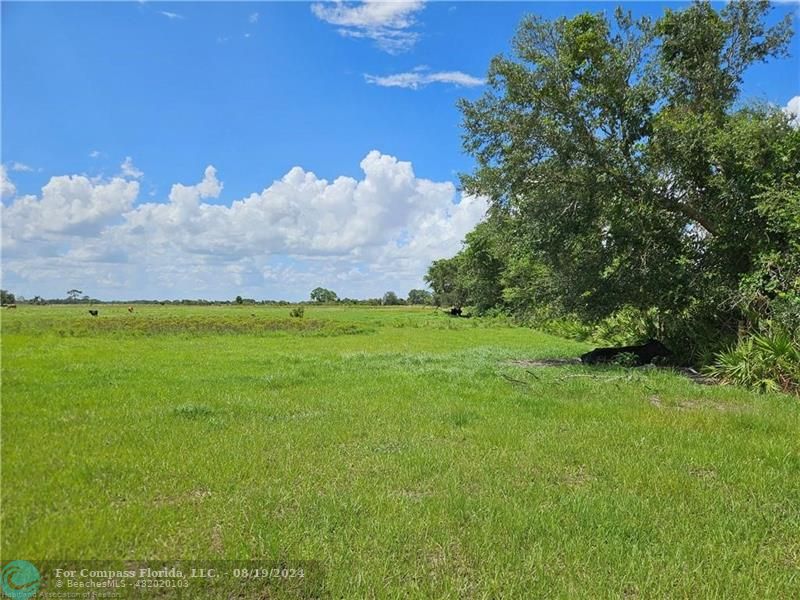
(416, 296)
(322, 295)
(623, 168)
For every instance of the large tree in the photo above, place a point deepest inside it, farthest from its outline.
(323, 295)
(445, 278)
(615, 152)
(416, 296)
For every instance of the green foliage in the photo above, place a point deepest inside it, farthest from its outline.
(7, 297)
(630, 187)
(239, 300)
(481, 267)
(445, 278)
(567, 327)
(613, 148)
(767, 361)
(323, 295)
(419, 297)
(297, 312)
(628, 326)
(391, 299)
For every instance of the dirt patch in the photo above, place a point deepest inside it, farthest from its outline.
(703, 472)
(413, 495)
(577, 477)
(217, 545)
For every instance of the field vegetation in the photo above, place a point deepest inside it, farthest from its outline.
(412, 453)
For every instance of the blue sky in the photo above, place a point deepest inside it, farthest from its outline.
(330, 131)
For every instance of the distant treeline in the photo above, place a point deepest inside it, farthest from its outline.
(416, 297)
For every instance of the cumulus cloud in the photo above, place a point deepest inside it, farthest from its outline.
(171, 15)
(420, 77)
(360, 235)
(72, 205)
(388, 24)
(792, 109)
(7, 187)
(94, 154)
(129, 170)
(253, 18)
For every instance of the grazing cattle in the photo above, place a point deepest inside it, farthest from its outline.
(455, 311)
(130, 309)
(94, 313)
(644, 354)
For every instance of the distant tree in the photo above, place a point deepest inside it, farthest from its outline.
(322, 295)
(74, 295)
(390, 299)
(419, 297)
(445, 276)
(482, 265)
(7, 297)
(239, 300)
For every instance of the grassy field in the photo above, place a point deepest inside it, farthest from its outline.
(399, 447)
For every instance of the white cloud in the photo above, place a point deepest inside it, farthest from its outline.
(388, 24)
(253, 18)
(94, 154)
(420, 77)
(361, 236)
(68, 205)
(18, 166)
(171, 15)
(7, 187)
(129, 169)
(792, 109)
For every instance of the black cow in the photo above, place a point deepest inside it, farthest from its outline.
(455, 311)
(93, 312)
(644, 353)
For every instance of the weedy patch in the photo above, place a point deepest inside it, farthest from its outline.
(462, 418)
(188, 325)
(193, 411)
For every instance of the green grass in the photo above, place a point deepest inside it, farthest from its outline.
(399, 447)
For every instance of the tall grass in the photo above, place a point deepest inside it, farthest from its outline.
(413, 460)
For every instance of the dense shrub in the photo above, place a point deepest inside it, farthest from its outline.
(767, 361)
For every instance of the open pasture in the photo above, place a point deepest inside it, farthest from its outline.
(400, 447)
